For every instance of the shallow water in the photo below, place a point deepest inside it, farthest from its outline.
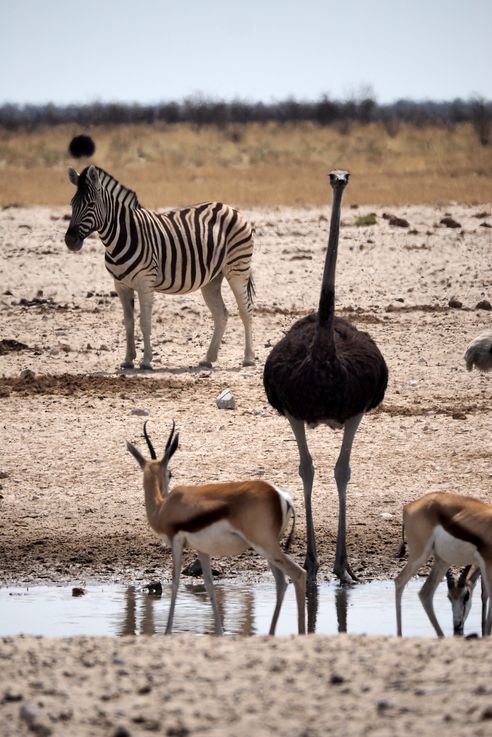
(246, 610)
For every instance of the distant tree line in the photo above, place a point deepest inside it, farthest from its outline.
(200, 111)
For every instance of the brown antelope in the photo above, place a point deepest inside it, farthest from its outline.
(456, 530)
(460, 592)
(220, 519)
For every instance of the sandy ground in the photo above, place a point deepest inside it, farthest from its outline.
(71, 500)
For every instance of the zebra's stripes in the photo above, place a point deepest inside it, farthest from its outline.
(176, 252)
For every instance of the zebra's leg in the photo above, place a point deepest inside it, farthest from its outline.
(145, 298)
(127, 298)
(239, 285)
(213, 299)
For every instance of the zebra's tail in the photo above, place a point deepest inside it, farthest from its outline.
(250, 291)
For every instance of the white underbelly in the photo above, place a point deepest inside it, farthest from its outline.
(218, 539)
(453, 550)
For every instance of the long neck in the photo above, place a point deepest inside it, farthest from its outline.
(326, 307)
(154, 500)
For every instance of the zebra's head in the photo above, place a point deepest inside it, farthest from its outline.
(88, 209)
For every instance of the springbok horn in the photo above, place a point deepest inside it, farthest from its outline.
(450, 579)
(464, 573)
(170, 438)
(151, 447)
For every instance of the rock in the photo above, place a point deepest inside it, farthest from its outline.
(77, 591)
(8, 345)
(399, 222)
(139, 411)
(226, 400)
(485, 225)
(154, 587)
(27, 375)
(455, 303)
(450, 222)
(484, 304)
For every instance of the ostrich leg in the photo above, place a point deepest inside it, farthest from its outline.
(342, 477)
(306, 472)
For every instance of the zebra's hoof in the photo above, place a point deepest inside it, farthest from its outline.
(126, 365)
(146, 367)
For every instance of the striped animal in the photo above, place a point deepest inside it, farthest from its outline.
(176, 253)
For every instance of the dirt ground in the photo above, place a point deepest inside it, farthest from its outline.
(71, 499)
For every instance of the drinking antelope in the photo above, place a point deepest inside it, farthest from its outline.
(460, 592)
(219, 519)
(456, 530)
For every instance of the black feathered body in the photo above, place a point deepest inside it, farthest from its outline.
(314, 379)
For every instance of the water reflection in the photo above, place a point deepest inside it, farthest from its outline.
(245, 610)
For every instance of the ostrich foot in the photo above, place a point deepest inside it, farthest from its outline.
(249, 362)
(126, 365)
(311, 566)
(345, 573)
(205, 363)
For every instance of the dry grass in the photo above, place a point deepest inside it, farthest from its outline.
(255, 165)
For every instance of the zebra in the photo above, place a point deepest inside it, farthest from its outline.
(177, 252)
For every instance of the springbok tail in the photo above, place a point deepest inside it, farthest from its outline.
(288, 542)
(403, 547)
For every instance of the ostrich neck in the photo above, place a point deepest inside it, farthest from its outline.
(326, 307)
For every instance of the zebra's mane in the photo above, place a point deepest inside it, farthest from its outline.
(117, 190)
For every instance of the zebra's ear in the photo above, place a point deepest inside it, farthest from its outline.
(93, 176)
(73, 177)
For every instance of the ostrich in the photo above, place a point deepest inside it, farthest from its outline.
(479, 352)
(81, 146)
(325, 371)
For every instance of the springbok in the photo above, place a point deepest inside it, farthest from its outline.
(460, 592)
(220, 519)
(456, 530)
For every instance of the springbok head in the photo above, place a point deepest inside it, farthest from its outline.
(155, 466)
(460, 592)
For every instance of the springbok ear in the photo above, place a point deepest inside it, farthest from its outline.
(137, 455)
(73, 177)
(93, 176)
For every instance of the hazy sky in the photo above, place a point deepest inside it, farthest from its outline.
(64, 51)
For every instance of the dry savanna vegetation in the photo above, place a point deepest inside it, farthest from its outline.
(414, 270)
(256, 165)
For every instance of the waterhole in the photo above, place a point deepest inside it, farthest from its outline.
(246, 610)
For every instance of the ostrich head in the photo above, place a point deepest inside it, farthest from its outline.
(339, 178)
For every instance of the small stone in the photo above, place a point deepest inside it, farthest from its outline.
(336, 679)
(139, 411)
(484, 304)
(487, 713)
(455, 303)
(226, 400)
(78, 591)
(450, 222)
(27, 375)
(398, 222)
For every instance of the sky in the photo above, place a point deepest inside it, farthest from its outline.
(148, 51)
